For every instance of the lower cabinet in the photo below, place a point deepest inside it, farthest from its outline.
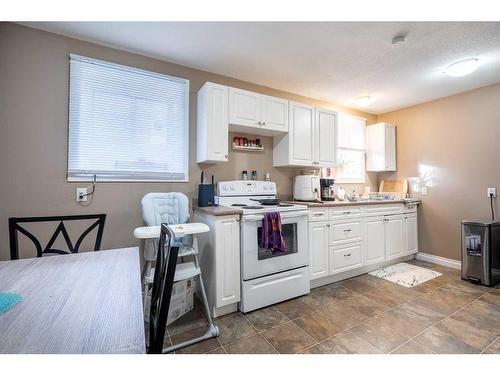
(345, 257)
(394, 236)
(374, 239)
(410, 234)
(357, 240)
(318, 249)
(219, 255)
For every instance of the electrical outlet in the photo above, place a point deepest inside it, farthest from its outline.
(423, 190)
(79, 193)
(492, 191)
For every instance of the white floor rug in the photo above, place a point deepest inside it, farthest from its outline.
(406, 274)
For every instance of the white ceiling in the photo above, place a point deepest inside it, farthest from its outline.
(332, 61)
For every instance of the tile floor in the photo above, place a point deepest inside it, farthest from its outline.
(364, 314)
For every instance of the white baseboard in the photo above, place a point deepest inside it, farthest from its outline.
(447, 262)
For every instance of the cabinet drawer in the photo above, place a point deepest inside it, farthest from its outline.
(318, 214)
(345, 213)
(345, 231)
(383, 209)
(345, 257)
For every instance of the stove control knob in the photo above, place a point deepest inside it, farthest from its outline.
(265, 187)
(232, 187)
(225, 188)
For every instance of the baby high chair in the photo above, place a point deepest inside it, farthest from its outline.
(172, 209)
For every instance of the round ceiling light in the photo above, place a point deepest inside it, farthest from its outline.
(363, 101)
(462, 68)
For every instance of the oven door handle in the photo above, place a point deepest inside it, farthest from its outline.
(283, 216)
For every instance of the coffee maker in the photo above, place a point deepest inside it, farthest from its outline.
(327, 193)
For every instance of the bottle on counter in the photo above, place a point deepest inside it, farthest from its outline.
(244, 175)
(254, 175)
(341, 193)
(268, 177)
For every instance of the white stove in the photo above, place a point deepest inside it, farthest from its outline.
(267, 276)
(243, 194)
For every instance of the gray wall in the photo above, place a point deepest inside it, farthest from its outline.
(455, 141)
(34, 70)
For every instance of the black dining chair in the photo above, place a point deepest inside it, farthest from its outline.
(164, 278)
(15, 227)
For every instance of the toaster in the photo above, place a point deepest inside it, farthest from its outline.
(306, 188)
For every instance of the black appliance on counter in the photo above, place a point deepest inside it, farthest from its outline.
(326, 185)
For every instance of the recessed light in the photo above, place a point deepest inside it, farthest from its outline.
(363, 101)
(462, 68)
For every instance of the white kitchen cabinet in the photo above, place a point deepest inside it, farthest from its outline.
(394, 236)
(253, 113)
(410, 234)
(227, 242)
(346, 257)
(381, 147)
(318, 249)
(274, 113)
(326, 137)
(219, 254)
(212, 124)
(297, 147)
(310, 141)
(374, 237)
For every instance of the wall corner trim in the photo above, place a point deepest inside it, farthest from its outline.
(447, 262)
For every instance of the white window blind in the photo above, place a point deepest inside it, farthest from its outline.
(126, 124)
(351, 149)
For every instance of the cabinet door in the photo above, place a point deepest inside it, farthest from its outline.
(274, 113)
(390, 148)
(411, 234)
(301, 129)
(394, 239)
(227, 248)
(318, 249)
(326, 137)
(217, 130)
(374, 239)
(244, 107)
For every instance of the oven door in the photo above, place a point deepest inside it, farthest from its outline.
(257, 261)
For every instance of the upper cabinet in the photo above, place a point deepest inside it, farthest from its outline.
(254, 113)
(311, 138)
(212, 124)
(381, 147)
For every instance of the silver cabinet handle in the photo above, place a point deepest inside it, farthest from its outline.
(347, 255)
(347, 212)
(328, 225)
(318, 213)
(226, 156)
(263, 123)
(347, 230)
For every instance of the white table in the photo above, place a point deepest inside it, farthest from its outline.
(77, 303)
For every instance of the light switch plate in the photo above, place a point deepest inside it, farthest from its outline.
(423, 190)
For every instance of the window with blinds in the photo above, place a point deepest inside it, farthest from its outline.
(126, 124)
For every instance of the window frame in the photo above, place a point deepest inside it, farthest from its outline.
(131, 178)
(348, 180)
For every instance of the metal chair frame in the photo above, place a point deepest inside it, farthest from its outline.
(14, 227)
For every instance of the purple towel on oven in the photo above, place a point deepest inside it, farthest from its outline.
(272, 237)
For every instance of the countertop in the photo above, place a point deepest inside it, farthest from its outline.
(347, 203)
(219, 210)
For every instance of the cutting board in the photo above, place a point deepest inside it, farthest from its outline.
(399, 187)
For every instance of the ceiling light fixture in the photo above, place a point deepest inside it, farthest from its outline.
(462, 68)
(363, 101)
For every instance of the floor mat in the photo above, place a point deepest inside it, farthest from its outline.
(406, 274)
